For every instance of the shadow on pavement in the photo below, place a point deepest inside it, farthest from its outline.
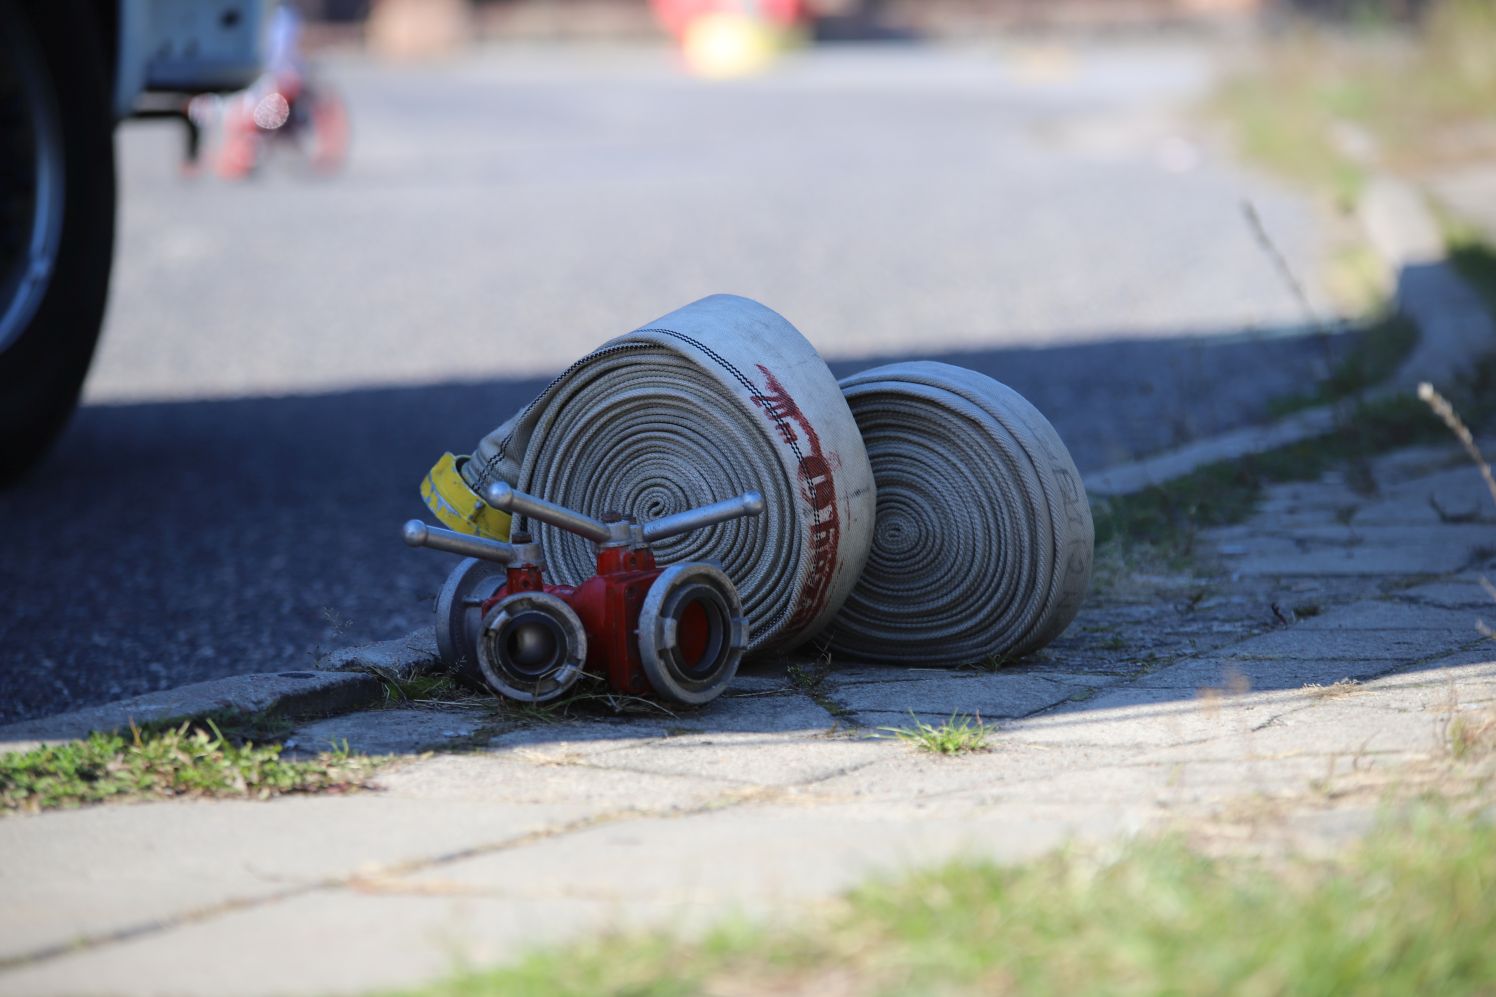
(172, 542)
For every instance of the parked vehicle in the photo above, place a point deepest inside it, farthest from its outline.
(70, 71)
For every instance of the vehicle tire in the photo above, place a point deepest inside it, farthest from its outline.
(56, 217)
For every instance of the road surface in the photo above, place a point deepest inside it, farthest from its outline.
(284, 358)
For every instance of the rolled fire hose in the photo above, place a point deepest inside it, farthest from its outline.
(718, 398)
(983, 543)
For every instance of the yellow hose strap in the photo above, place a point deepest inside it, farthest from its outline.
(451, 500)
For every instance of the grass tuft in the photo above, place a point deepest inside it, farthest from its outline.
(1167, 517)
(809, 677)
(183, 761)
(959, 735)
(1382, 348)
(1323, 106)
(1407, 910)
(1471, 736)
(992, 663)
(1476, 262)
(438, 689)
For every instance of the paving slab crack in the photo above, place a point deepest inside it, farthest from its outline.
(157, 926)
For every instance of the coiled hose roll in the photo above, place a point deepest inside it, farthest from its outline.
(983, 543)
(712, 400)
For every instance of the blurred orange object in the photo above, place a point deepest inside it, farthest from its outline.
(678, 15)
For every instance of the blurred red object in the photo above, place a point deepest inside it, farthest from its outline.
(675, 15)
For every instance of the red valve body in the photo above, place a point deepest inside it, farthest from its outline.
(608, 605)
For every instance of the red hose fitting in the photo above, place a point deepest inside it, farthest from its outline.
(676, 632)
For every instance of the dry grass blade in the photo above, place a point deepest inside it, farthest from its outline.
(1270, 248)
(1472, 735)
(1445, 411)
(1341, 687)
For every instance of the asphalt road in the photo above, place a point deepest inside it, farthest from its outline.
(284, 358)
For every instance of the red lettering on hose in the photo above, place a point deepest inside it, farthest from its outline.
(817, 486)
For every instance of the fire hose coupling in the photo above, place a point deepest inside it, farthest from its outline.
(677, 632)
(618, 530)
(451, 500)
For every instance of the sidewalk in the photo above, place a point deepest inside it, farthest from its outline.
(1308, 659)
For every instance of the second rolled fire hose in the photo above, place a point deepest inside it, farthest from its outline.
(717, 398)
(983, 544)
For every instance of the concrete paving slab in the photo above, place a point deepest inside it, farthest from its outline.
(1416, 462)
(401, 658)
(748, 759)
(1347, 726)
(1458, 489)
(1180, 783)
(1084, 680)
(1461, 592)
(861, 674)
(326, 942)
(1430, 688)
(1327, 495)
(1253, 756)
(799, 853)
(1238, 675)
(1391, 614)
(1458, 536)
(1392, 514)
(785, 713)
(403, 931)
(391, 731)
(1284, 559)
(761, 675)
(1303, 643)
(1289, 523)
(1138, 717)
(73, 874)
(1455, 504)
(911, 777)
(1016, 773)
(582, 738)
(529, 777)
(994, 695)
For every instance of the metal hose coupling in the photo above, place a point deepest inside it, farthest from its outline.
(677, 633)
(983, 546)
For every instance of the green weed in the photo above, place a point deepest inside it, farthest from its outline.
(1407, 910)
(1168, 516)
(808, 678)
(1476, 262)
(991, 663)
(440, 688)
(1382, 348)
(959, 735)
(1320, 106)
(1471, 735)
(182, 761)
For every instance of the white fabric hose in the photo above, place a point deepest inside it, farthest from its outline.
(983, 543)
(710, 401)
